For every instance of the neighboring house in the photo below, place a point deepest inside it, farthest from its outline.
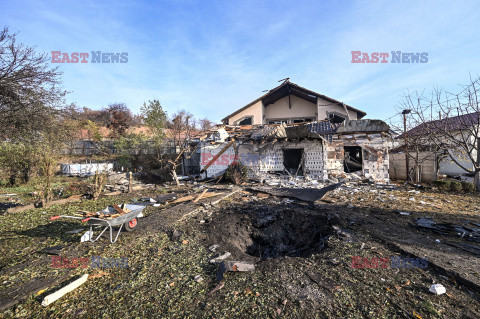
(290, 103)
(429, 160)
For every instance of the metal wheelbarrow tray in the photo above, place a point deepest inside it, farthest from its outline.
(129, 220)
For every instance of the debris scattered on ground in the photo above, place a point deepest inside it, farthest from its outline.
(121, 182)
(54, 250)
(242, 266)
(193, 197)
(213, 248)
(75, 231)
(217, 288)
(220, 258)
(301, 253)
(437, 289)
(425, 222)
(309, 195)
(345, 234)
(464, 231)
(87, 236)
(176, 234)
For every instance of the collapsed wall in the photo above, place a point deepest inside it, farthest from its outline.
(374, 159)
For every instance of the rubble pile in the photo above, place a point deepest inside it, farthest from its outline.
(118, 181)
(289, 181)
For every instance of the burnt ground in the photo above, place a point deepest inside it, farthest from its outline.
(302, 253)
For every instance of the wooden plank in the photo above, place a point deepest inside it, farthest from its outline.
(113, 193)
(207, 195)
(183, 199)
(200, 196)
(118, 209)
(192, 197)
(61, 292)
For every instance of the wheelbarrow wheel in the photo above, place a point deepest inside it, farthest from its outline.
(131, 225)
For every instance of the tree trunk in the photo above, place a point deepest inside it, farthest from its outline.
(26, 175)
(129, 182)
(12, 180)
(477, 171)
(477, 181)
(175, 178)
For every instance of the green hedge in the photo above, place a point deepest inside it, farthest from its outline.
(454, 186)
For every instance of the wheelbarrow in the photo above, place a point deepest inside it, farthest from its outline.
(129, 220)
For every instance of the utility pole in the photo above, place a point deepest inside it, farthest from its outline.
(405, 112)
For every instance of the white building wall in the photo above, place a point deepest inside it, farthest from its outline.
(269, 158)
(209, 151)
(324, 107)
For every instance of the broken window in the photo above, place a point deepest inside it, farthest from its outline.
(246, 121)
(302, 120)
(353, 159)
(292, 161)
(336, 118)
(277, 121)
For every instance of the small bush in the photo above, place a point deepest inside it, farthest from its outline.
(443, 185)
(235, 174)
(446, 185)
(468, 187)
(455, 186)
(76, 188)
(437, 183)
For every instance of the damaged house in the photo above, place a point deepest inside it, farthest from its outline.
(317, 150)
(294, 131)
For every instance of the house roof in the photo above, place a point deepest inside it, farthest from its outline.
(322, 129)
(454, 123)
(312, 130)
(287, 88)
(363, 126)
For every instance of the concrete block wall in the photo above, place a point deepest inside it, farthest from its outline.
(262, 158)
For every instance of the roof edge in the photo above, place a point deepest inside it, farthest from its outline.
(362, 113)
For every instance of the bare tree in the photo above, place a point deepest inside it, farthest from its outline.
(205, 124)
(29, 87)
(450, 122)
(32, 122)
(182, 125)
(412, 138)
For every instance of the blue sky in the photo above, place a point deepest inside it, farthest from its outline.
(212, 57)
